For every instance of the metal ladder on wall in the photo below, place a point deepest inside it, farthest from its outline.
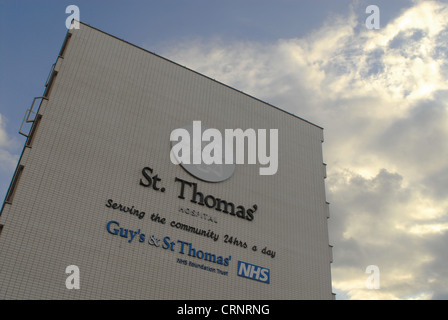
(29, 112)
(26, 118)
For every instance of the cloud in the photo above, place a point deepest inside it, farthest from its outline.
(8, 157)
(381, 96)
(3, 136)
(382, 222)
(8, 160)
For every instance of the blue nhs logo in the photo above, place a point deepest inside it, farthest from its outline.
(251, 271)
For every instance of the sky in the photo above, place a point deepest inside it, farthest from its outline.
(381, 96)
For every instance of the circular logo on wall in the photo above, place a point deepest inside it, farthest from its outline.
(213, 172)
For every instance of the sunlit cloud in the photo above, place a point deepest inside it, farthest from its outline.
(3, 135)
(8, 158)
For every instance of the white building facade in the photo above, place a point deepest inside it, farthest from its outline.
(95, 188)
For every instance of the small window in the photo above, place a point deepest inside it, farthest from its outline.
(325, 170)
(14, 183)
(64, 45)
(50, 82)
(33, 130)
(1, 228)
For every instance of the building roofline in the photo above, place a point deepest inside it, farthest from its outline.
(205, 76)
